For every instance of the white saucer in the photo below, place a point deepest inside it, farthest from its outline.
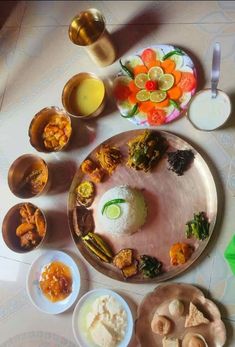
(33, 289)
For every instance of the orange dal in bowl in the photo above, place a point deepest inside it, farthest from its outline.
(86, 97)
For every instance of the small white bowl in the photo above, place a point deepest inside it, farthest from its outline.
(208, 120)
(78, 320)
(36, 296)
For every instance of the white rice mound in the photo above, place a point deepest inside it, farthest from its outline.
(133, 211)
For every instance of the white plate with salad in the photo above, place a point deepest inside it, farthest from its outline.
(155, 85)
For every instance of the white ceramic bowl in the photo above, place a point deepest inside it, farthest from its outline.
(35, 294)
(78, 317)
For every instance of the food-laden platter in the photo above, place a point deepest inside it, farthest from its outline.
(155, 85)
(176, 201)
(189, 319)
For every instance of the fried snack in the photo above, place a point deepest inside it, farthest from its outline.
(170, 341)
(40, 223)
(109, 158)
(27, 213)
(24, 228)
(180, 253)
(93, 170)
(30, 239)
(88, 166)
(123, 258)
(130, 270)
(56, 133)
(32, 228)
(85, 193)
(195, 317)
(161, 325)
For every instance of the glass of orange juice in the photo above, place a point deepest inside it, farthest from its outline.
(88, 30)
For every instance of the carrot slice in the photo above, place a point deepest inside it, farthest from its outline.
(132, 98)
(148, 55)
(132, 86)
(177, 76)
(152, 63)
(187, 82)
(121, 92)
(168, 65)
(146, 106)
(140, 69)
(164, 103)
(174, 93)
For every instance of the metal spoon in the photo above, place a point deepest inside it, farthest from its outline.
(215, 72)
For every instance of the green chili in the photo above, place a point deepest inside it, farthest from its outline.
(174, 103)
(132, 112)
(176, 51)
(127, 71)
(112, 202)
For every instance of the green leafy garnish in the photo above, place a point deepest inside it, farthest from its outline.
(198, 227)
(132, 112)
(177, 51)
(174, 103)
(126, 70)
(112, 202)
(150, 266)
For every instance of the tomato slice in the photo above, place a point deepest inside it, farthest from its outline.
(121, 92)
(156, 116)
(148, 55)
(187, 82)
(151, 85)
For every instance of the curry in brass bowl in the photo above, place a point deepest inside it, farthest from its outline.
(50, 130)
(24, 227)
(83, 96)
(28, 176)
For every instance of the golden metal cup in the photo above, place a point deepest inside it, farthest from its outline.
(10, 223)
(20, 169)
(88, 30)
(68, 89)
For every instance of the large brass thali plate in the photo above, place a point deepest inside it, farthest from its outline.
(171, 202)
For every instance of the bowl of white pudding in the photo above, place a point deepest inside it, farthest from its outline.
(102, 318)
(207, 113)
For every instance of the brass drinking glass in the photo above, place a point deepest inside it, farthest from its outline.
(88, 30)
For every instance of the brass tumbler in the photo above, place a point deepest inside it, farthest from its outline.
(88, 30)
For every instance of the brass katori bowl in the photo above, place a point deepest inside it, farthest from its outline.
(10, 223)
(40, 121)
(28, 176)
(74, 82)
